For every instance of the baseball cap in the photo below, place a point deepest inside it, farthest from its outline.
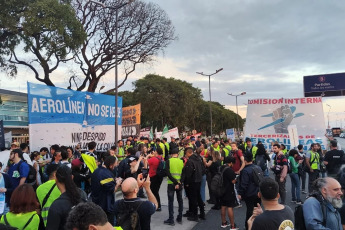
(132, 158)
(76, 163)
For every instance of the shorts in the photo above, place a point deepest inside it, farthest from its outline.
(229, 202)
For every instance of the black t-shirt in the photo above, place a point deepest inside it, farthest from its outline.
(213, 169)
(334, 159)
(275, 219)
(228, 176)
(145, 211)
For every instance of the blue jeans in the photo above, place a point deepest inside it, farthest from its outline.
(295, 187)
(266, 173)
(171, 192)
(202, 189)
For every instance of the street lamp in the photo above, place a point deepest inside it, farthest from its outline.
(209, 89)
(328, 114)
(116, 57)
(238, 123)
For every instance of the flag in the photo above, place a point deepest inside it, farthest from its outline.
(165, 130)
(151, 133)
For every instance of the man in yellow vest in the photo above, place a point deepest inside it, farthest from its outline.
(160, 145)
(173, 168)
(120, 151)
(226, 150)
(48, 192)
(312, 160)
(249, 148)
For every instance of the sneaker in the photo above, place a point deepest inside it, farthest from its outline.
(224, 225)
(169, 222)
(234, 227)
(179, 219)
(299, 202)
(304, 192)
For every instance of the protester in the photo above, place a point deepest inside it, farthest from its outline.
(25, 149)
(261, 157)
(5, 191)
(301, 172)
(70, 196)
(228, 201)
(275, 216)
(238, 155)
(174, 167)
(191, 178)
(333, 160)
(295, 183)
(86, 216)
(48, 192)
(64, 157)
(103, 187)
(153, 161)
(145, 209)
(280, 169)
(312, 160)
(247, 189)
(35, 156)
(328, 195)
(19, 170)
(213, 164)
(23, 209)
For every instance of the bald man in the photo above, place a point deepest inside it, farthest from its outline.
(145, 209)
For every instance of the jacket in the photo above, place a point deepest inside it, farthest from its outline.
(193, 170)
(246, 186)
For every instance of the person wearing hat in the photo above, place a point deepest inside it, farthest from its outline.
(174, 167)
(19, 170)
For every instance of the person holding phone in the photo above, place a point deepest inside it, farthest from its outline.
(153, 161)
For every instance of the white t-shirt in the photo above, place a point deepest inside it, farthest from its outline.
(27, 158)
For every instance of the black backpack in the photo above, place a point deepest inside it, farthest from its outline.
(128, 217)
(161, 168)
(31, 178)
(258, 175)
(299, 216)
(217, 186)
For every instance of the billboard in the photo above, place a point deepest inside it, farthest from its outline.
(326, 85)
(230, 134)
(268, 121)
(131, 120)
(67, 117)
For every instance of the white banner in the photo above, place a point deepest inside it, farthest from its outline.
(268, 120)
(172, 133)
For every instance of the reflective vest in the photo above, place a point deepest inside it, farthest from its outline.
(167, 146)
(90, 162)
(216, 149)
(162, 146)
(176, 166)
(181, 152)
(227, 150)
(41, 192)
(19, 220)
(128, 146)
(314, 160)
(121, 154)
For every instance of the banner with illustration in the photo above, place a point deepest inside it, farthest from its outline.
(67, 117)
(268, 121)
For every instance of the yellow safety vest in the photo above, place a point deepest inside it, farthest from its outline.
(314, 160)
(90, 162)
(121, 154)
(176, 166)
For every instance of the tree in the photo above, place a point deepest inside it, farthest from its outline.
(47, 29)
(144, 30)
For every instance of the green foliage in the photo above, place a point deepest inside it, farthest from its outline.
(47, 29)
(178, 104)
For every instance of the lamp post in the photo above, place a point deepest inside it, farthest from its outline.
(115, 59)
(238, 122)
(209, 90)
(328, 114)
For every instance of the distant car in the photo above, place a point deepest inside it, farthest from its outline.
(342, 135)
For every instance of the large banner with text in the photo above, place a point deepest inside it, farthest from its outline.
(131, 120)
(67, 117)
(268, 120)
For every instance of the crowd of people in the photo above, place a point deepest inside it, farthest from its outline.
(69, 188)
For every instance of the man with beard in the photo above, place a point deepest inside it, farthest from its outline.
(327, 201)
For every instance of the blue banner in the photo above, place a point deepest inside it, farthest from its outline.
(56, 105)
(2, 136)
(324, 85)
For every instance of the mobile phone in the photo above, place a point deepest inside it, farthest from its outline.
(145, 173)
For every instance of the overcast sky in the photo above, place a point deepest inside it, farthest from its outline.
(264, 47)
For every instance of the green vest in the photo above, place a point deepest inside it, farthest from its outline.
(254, 150)
(315, 158)
(162, 146)
(216, 149)
(41, 192)
(121, 154)
(227, 150)
(176, 166)
(19, 220)
(180, 152)
(167, 146)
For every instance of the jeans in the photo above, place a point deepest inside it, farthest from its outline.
(171, 191)
(282, 190)
(194, 198)
(295, 187)
(251, 202)
(202, 188)
(312, 177)
(156, 182)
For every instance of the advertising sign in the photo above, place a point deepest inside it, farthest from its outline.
(2, 136)
(131, 121)
(326, 85)
(67, 117)
(268, 121)
(230, 134)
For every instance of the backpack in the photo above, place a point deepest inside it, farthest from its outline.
(31, 178)
(217, 186)
(161, 168)
(258, 175)
(128, 217)
(299, 216)
(260, 161)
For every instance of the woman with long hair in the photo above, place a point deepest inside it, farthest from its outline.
(23, 214)
(35, 157)
(70, 196)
